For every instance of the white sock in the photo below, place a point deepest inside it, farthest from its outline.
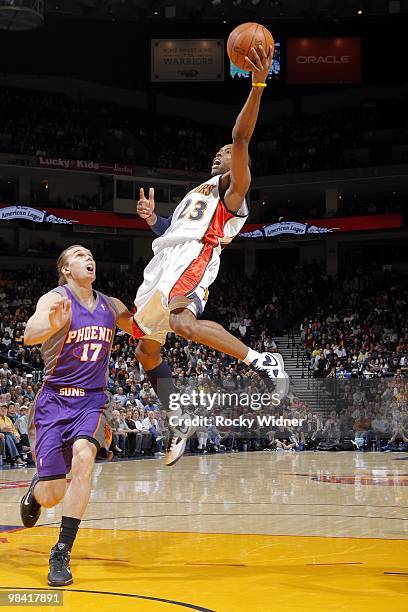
(251, 356)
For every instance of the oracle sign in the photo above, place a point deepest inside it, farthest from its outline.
(327, 59)
(324, 60)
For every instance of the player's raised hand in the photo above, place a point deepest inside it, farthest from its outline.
(145, 207)
(260, 63)
(60, 314)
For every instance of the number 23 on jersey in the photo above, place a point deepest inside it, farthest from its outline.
(193, 210)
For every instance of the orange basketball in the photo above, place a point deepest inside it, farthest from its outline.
(243, 38)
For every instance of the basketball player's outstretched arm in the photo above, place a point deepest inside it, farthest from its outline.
(125, 317)
(236, 183)
(51, 314)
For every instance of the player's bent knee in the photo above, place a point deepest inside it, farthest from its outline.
(182, 327)
(139, 354)
(142, 355)
(83, 459)
(52, 492)
(148, 354)
(82, 463)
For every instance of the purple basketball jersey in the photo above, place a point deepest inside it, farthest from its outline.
(78, 356)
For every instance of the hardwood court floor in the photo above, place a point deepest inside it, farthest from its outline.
(252, 532)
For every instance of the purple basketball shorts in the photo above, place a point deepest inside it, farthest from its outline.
(56, 421)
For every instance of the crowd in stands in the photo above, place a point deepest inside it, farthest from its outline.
(323, 141)
(43, 248)
(368, 415)
(348, 206)
(46, 124)
(77, 202)
(373, 204)
(55, 125)
(360, 326)
(356, 332)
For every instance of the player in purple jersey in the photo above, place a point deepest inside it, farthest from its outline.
(68, 422)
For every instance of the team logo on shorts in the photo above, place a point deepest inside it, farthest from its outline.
(108, 434)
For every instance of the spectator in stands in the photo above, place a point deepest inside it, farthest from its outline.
(150, 404)
(331, 434)
(362, 428)
(135, 436)
(147, 438)
(5, 372)
(119, 435)
(133, 401)
(21, 424)
(12, 437)
(214, 438)
(119, 397)
(150, 424)
(146, 393)
(11, 411)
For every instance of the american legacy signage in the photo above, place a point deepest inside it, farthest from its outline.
(26, 213)
(250, 230)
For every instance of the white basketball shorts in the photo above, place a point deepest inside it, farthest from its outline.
(184, 270)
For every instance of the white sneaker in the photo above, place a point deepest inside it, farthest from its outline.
(159, 454)
(271, 366)
(175, 450)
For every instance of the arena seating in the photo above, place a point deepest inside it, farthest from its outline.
(353, 331)
(35, 123)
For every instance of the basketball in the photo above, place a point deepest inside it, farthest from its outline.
(243, 38)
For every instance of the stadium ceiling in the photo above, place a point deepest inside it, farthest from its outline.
(234, 10)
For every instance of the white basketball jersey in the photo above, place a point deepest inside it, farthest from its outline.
(201, 215)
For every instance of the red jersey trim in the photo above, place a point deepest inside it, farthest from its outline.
(215, 231)
(137, 331)
(192, 275)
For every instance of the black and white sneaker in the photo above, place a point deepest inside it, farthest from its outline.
(271, 366)
(179, 435)
(30, 509)
(60, 573)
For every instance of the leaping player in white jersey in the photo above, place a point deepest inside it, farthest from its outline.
(187, 258)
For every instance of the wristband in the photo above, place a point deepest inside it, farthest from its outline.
(258, 84)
